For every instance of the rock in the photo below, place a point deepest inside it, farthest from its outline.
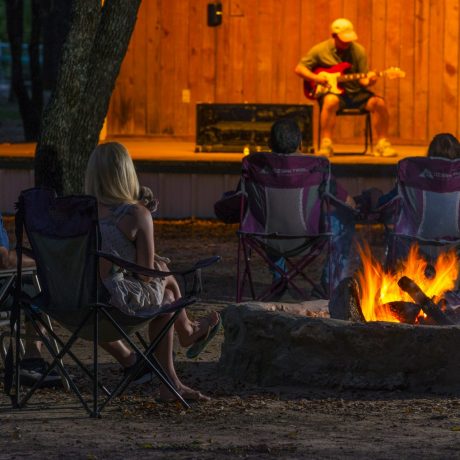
(269, 347)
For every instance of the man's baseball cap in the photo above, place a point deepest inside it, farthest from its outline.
(343, 28)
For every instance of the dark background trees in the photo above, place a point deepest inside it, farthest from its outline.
(42, 26)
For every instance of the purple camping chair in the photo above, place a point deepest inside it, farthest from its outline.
(426, 209)
(64, 239)
(286, 216)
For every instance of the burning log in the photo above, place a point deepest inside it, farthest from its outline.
(406, 312)
(344, 302)
(426, 304)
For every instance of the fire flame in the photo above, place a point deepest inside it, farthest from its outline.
(379, 287)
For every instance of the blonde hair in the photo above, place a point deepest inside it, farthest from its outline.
(110, 175)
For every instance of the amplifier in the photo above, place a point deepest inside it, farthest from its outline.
(246, 127)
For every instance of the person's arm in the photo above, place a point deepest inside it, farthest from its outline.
(307, 64)
(142, 225)
(304, 72)
(362, 66)
(341, 194)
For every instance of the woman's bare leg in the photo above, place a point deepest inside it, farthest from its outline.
(164, 355)
(188, 331)
(124, 355)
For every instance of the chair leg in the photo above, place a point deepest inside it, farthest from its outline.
(95, 412)
(55, 346)
(319, 130)
(368, 134)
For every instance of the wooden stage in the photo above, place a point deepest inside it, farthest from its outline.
(189, 183)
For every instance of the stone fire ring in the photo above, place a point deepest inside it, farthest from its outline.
(267, 346)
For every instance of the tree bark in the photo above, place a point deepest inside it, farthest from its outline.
(93, 52)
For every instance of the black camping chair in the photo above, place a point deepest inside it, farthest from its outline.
(64, 238)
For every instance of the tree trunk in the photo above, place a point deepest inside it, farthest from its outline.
(92, 55)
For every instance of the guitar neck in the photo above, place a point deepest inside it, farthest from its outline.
(357, 76)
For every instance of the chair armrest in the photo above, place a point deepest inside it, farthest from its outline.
(140, 270)
(132, 267)
(341, 204)
(203, 263)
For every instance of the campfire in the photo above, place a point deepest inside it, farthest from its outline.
(412, 294)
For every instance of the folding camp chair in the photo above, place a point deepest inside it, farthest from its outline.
(426, 209)
(7, 283)
(287, 216)
(64, 238)
(7, 288)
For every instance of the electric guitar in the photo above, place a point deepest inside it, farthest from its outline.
(336, 75)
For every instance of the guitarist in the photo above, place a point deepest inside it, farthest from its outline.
(342, 48)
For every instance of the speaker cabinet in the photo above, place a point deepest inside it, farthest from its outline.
(237, 127)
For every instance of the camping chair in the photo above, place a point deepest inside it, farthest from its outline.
(64, 238)
(7, 288)
(426, 209)
(7, 283)
(287, 216)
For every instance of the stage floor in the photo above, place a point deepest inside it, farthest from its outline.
(167, 150)
(188, 183)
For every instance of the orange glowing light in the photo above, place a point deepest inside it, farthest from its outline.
(379, 287)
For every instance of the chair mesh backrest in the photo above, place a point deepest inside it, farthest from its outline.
(63, 235)
(284, 194)
(429, 198)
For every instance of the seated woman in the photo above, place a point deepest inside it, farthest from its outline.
(127, 230)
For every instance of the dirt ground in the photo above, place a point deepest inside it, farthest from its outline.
(241, 421)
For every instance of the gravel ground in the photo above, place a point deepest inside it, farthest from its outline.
(240, 421)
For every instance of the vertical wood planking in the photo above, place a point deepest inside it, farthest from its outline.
(139, 71)
(182, 109)
(407, 84)
(362, 20)
(291, 49)
(153, 60)
(436, 46)
(450, 67)
(264, 25)
(278, 42)
(167, 68)
(249, 30)
(421, 69)
(393, 45)
(202, 53)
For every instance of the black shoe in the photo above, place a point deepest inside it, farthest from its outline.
(32, 370)
(144, 374)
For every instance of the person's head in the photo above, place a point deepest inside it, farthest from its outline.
(343, 33)
(285, 136)
(110, 175)
(444, 145)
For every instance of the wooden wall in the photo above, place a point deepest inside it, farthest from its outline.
(251, 56)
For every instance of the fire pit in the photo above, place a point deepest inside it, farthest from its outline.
(273, 344)
(272, 348)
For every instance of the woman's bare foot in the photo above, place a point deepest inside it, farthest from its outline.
(187, 393)
(201, 329)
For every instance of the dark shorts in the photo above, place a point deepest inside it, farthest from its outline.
(352, 100)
